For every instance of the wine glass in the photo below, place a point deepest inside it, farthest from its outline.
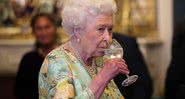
(116, 51)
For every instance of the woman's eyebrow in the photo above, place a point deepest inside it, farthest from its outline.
(105, 25)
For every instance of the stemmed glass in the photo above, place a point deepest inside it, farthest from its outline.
(116, 51)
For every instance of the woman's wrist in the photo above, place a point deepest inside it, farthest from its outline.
(103, 75)
(100, 80)
(98, 84)
(103, 78)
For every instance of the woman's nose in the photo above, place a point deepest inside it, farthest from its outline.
(44, 30)
(107, 36)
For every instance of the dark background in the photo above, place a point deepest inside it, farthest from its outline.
(178, 11)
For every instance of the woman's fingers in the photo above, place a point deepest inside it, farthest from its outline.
(116, 66)
(123, 67)
(124, 71)
(120, 63)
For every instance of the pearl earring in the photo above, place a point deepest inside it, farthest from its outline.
(78, 40)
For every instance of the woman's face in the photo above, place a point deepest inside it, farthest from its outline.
(97, 35)
(45, 31)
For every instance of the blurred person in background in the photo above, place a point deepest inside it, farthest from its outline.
(44, 29)
(175, 79)
(143, 87)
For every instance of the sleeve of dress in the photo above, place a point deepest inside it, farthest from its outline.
(59, 81)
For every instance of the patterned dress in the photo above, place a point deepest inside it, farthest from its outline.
(63, 76)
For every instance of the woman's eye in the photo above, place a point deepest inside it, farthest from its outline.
(110, 30)
(101, 29)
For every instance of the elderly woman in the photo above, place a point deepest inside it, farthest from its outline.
(70, 70)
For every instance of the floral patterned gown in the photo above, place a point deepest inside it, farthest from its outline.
(63, 76)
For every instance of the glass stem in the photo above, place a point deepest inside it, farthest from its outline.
(127, 75)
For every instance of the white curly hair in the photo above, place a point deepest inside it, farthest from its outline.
(76, 13)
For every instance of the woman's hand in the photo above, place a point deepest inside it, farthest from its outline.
(113, 67)
(110, 69)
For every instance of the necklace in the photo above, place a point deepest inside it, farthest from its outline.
(92, 70)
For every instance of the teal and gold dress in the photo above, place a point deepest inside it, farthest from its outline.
(63, 76)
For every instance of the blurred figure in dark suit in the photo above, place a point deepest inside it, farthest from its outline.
(44, 29)
(175, 79)
(143, 87)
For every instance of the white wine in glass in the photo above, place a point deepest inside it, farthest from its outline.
(116, 51)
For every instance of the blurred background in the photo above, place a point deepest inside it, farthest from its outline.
(152, 22)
